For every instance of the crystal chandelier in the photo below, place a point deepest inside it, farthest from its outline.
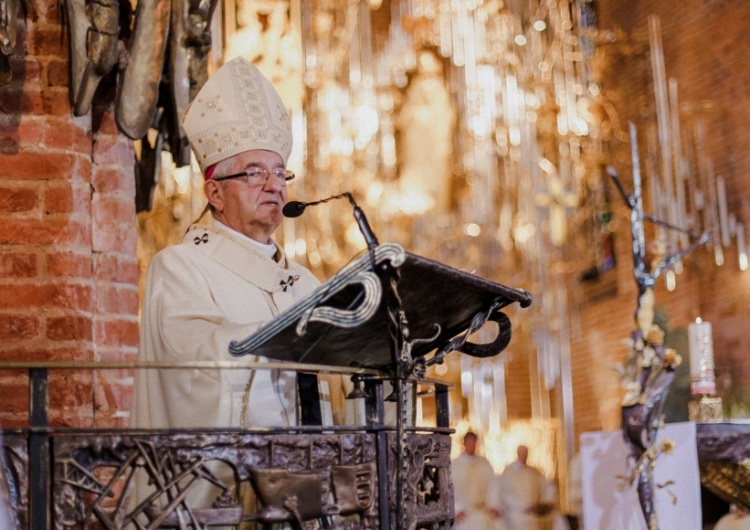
(472, 131)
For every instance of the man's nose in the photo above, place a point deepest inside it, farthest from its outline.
(273, 184)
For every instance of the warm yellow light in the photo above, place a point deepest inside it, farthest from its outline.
(479, 125)
(466, 383)
(374, 193)
(520, 40)
(367, 122)
(472, 229)
(300, 247)
(741, 246)
(718, 255)
(671, 280)
(523, 232)
(514, 135)
(354, 236)
(547, 166)
(413, 202)
(540, 25)
(181, 177)
(289, 249)
(581, 127)
(314, 258)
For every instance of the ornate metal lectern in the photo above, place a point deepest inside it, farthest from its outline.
(384, 318)
(387, 311)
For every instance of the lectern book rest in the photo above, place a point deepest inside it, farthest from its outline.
(345, 321)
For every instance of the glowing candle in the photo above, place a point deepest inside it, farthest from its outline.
(701, 358)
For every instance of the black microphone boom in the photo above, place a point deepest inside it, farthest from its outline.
(364, 227)
(296, 208)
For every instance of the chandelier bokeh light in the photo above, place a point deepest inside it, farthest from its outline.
(469, 131)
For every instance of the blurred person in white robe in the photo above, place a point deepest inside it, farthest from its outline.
(521, 498)
(472, 475)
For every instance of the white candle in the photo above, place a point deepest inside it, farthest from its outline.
(701, 358)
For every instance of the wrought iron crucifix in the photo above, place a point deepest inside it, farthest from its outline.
(644, 278)
(642, 407)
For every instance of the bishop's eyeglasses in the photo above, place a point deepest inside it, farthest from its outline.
(259, 177)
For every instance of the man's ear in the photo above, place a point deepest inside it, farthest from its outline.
(214, 192)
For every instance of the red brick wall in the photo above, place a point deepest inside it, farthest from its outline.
(68, 271)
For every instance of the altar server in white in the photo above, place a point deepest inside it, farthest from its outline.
(521, 497)
(472, 475)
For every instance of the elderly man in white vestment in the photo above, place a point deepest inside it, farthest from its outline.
(227, 276)
(472, 475)
(521, 496)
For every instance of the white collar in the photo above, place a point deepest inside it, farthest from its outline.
(268, 249)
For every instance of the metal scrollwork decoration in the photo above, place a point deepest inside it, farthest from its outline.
(124, 482)
(461, 343)
(350, 317)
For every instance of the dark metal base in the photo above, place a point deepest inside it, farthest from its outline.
(188, 479)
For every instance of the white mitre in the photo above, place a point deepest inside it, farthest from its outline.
(237, 110)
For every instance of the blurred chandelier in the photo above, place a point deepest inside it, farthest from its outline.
(469, 131)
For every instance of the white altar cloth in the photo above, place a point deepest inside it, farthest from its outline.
(610, 503)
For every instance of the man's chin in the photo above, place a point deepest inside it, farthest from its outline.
(275, 218)
(270, 213)
(272, 223)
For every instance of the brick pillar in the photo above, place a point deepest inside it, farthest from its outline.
(68, 268)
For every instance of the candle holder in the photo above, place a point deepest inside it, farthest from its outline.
(704, 405)
(705, 409)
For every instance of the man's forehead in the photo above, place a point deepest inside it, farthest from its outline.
(259, 157)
